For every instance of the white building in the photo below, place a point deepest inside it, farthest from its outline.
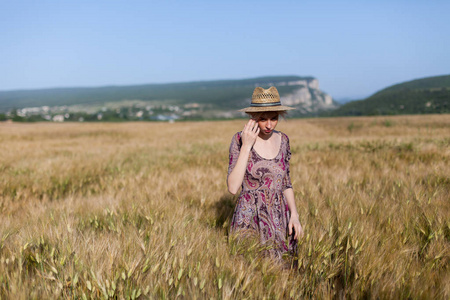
(58, 118)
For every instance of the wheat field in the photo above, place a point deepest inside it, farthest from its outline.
(141, 210)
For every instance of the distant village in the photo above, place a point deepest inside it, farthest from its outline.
(139, 111)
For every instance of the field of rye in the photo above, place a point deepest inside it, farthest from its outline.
(141, 210)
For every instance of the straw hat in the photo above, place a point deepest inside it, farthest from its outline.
(265, 100)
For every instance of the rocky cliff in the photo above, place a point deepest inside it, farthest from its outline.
(304, 94)
(201, 99)
(307, 98)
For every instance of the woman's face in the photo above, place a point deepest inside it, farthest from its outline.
(267, 123)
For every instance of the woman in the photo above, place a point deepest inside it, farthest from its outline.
(259, 163)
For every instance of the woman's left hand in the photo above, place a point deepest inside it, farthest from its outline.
(294, 223)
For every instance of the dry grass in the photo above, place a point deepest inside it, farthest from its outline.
(140, 210)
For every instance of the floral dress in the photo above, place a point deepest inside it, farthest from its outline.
(262, 208)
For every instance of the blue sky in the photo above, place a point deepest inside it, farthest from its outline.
(354, 48)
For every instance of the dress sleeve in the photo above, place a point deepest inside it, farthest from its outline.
(287, 178)
(235, 149)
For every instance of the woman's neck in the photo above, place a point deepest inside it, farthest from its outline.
(266, 137)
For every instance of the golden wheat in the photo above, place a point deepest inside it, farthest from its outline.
(140, 210)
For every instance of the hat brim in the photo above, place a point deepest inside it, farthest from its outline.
(266, 108)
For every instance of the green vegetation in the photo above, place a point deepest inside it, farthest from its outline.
(422, 96)
(419, 84)
(218, 94)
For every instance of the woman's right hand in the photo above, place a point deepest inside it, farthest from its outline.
(249, 134)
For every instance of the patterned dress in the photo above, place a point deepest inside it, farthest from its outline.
(261, 208)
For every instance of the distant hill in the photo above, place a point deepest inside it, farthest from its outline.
(420, 96)
(218, 95)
